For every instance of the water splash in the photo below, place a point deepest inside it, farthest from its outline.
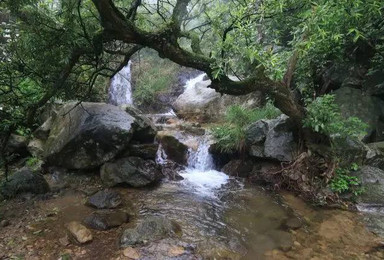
(201, 159)
(192, 82)
(120, 91)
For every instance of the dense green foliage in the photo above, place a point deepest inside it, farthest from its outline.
(153, 76)
(324, 117)
(230, 135)
(344, 181)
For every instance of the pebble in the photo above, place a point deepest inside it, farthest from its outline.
(4, 223)
(132, 253)
(176, 251)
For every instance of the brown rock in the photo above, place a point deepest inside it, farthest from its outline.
(131, 253)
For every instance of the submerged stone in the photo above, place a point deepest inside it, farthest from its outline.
(151, 229)
(106, 220)
(105, 199)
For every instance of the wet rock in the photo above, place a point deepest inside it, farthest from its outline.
(151, 229)
(87, 135)
(106, 220)
(133, 171)
(17, 144)
(145, 151)
(24, 181)
(257, 132)
(373, 181)
(131, 253)
(79, 232)
(105, 199)
(175, 150)
(239, 168)
(283, 240)
(4, 223)
(145, 130)
(42, 132)
(293, 223)
(170, 170)
(176, 251)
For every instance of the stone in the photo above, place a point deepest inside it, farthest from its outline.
(106, 220)
(372, 179)
(4, 223)
(64, 241)
(42, 132)
(145, 130)
(204, 104)
(24, 181)
(145, 151)
(293, 223)
(238, 168)
(17, 144)
(133, 171)
(280, 143)
(105, 199)
(256, 132)
(87, 135)
(175, 149)
(79, 232)
(131, 253)
(171, 170)
(36, 148)
(176, 251)
(353, 102)
(150, 229)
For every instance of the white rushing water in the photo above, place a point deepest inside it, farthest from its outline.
(200, 173)
(192, 82)
(120, 90)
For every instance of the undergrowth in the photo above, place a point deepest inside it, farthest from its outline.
(230, 135)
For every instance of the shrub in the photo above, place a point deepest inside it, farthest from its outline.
(324, 117)
(344, 182)
(230, 135)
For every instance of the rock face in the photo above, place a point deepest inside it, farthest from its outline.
(369, 109)
(372, 179)
(79, 232)
(133, 171)
(238, 168)
(106, 220)
(17, 144)
(88, 135)
(105, 199)
(205, 104)
(175, 150)
(24, 181)
(272, 139)
(145, 151)
(152, 228)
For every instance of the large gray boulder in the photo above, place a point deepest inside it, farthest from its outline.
(175, 150)
(24, 181)
(87, 135)
(372, 179)
(272, 139)
(204, 104)
(133, 171)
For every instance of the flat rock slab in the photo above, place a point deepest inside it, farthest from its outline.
(106, 220)
(105, 199)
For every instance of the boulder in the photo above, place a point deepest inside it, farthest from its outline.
(24, 181)
(201, 103)
(145, 130)
(151, 229)
(353, 102)
(79, 232)
(106, 220)
(145, 151)
(90, 134)
(105, 199)
(17, 144)
(239, 168)
(372, 179)
(36, 148)
(175, 149)
(133, 171)
(42, 132)
(272, 139)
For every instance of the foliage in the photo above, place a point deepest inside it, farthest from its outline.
(154, 75)
(344, 182)
(32, 162)
(323, 116)
(230, 135)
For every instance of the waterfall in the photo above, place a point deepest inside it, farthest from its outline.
(201, 159)
(120, 91)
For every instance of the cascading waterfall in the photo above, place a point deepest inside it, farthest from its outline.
(120, 91)
(200, 172)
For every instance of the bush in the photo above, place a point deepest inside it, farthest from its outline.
(344, 182)
(231, 135)
(324, 117)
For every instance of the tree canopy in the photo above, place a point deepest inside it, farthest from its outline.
(61, 49)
